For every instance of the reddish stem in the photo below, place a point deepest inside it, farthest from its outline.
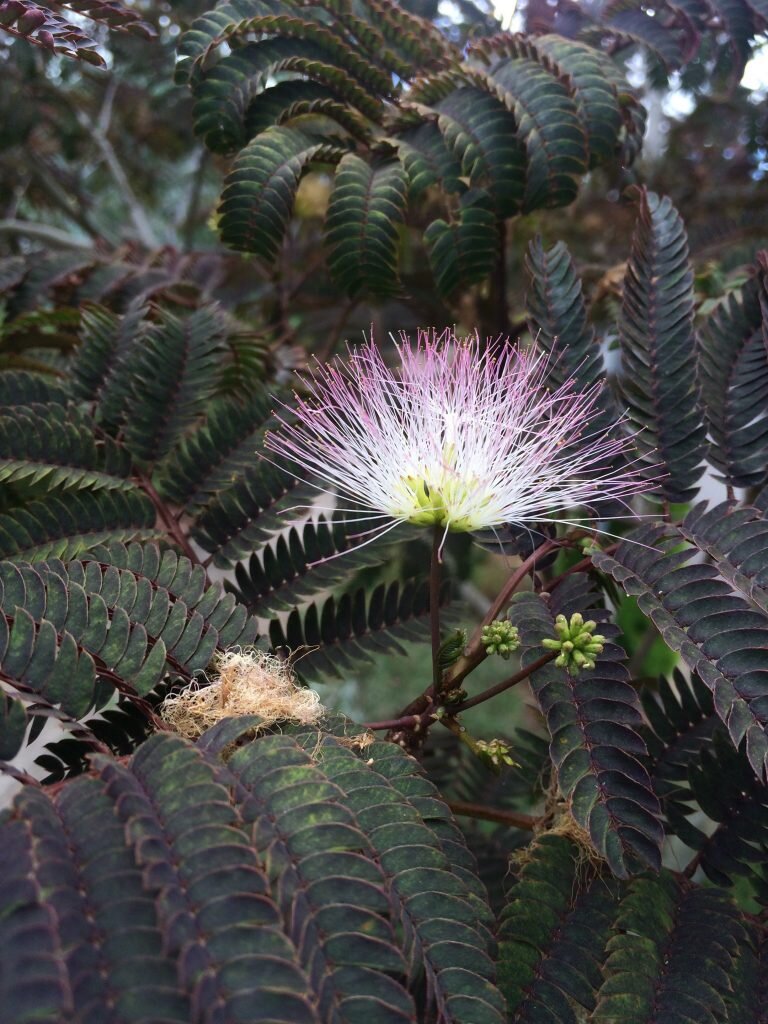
(169, 521)
(513, 818)
(506, 684)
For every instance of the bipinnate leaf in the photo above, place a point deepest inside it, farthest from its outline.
(681, 722)
(594, 722)
(49, 446)
(482, 134)
(553, 929)
(66, 524)
(737, 540)
(747, 1000)
(462, 251)
(216, 452)
(723, 786)
(546, 114)
(718, 633)
(258, 194)
(232, 100)
(174, 372)
(734, 378)
(301, 563)
(244, 515)
(558, 320)
(301, 882)
(659, 381)
(119, 618)
(19, 387)
(102, 366)
(339, 632)
(366, 207)
(510, 125)
(427, 160)
(671, 955)
(596, 88)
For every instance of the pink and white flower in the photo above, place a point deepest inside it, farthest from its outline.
(459, 436)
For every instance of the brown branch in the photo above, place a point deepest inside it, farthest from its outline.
(475, 653)
(415, 722)
(483, 813)
(169, 521)
(43, 233)
(434, 609)
(506, 684)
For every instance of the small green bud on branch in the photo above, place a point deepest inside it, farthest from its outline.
(495, 753)
(500, 637)
(578, 644)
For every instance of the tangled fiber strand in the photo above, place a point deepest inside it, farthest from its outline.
(250, 682)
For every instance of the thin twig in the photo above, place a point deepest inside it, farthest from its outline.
(474, 652)
(434, 608)
(43, 233)
(405, 722)
(493, 691)
(193, 203)
(169, 520)
(98, 132)
(483, 813)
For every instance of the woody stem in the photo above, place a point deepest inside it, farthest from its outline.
(434, 608)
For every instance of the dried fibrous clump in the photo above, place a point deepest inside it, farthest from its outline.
(250, 682)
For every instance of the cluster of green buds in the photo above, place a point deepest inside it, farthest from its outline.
(501, 638)
(495, 753)
(577, 643)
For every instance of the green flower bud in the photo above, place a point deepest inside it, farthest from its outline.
(578, 645)
(501, 638)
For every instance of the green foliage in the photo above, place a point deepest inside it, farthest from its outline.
(340, 632)
(366, 207)
(300, 874)
(558, 321)
(734, 372)
(552, 933)
(117, 621)
(55, 446)
(656, 328)
(661, 961)
(280, 578)
(595, 744)
(388, 165)
(517, 126)
(65, 525)
(718, 633)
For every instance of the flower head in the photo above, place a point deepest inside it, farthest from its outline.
(458, 436)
